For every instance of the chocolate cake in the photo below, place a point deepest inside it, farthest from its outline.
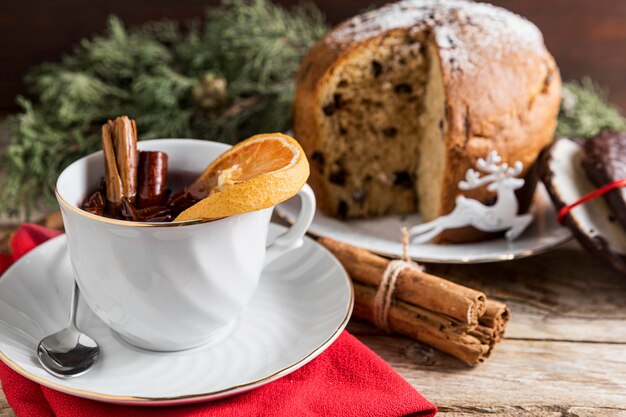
(592, 223)
(605, 162)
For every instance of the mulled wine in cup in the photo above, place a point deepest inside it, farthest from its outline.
(175, 285)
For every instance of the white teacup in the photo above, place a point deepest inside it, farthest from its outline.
(168, 286)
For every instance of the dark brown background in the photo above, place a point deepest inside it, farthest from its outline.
(587, 37)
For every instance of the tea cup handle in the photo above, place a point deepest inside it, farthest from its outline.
(293, 237)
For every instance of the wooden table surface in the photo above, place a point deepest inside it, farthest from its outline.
(564, 352)
(565, 348)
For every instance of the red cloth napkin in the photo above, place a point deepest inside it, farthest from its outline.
(346, 380)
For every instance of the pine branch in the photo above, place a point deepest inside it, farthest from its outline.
(30, 164)
(149, 73)
(585, 111)
(72, 97)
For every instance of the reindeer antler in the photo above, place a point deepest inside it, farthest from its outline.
(473, 180)
(515, 170)
(491, 165)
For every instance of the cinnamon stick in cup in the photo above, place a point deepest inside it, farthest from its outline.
(119, 143)
(113, 179)
(125, 137)
(152, 179)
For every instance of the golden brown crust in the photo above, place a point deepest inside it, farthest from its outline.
(502, 86)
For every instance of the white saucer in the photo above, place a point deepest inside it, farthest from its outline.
(383, 235)
(303, 302)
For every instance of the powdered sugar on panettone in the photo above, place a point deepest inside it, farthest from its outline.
(459, 27)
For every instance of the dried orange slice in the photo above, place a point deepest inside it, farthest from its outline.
(257, 173)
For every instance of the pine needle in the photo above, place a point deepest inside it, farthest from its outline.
(585, 111)
(149, 72)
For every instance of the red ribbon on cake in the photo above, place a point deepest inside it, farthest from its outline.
(596, 193)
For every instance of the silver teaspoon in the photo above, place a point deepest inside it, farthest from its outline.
(68, 353)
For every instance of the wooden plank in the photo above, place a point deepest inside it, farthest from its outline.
(521, 377)
(531, 411)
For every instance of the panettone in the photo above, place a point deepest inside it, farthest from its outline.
(393, 106)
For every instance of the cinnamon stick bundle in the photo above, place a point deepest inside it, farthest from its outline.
(450, 317)
(415, 287)
(432, 329)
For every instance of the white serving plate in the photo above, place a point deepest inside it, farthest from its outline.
(383, 235)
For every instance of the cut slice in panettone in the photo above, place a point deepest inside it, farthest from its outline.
(392, 107)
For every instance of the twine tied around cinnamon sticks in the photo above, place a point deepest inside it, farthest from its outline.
(387, 286)
(450, 317)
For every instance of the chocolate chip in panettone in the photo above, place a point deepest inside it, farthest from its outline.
(403, 179)
(377, 68)
(390, 132)
(359, 196)
(319, 160)
(338, 101)
(338, 177)
(342, 209)
(342, 84)
(403, 89)
(329, 109)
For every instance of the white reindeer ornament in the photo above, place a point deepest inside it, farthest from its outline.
(468, 212)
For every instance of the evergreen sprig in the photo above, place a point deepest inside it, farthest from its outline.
(148, 73)
(152, 73)
(585, 110)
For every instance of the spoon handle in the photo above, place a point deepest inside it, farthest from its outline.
(74, 305)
